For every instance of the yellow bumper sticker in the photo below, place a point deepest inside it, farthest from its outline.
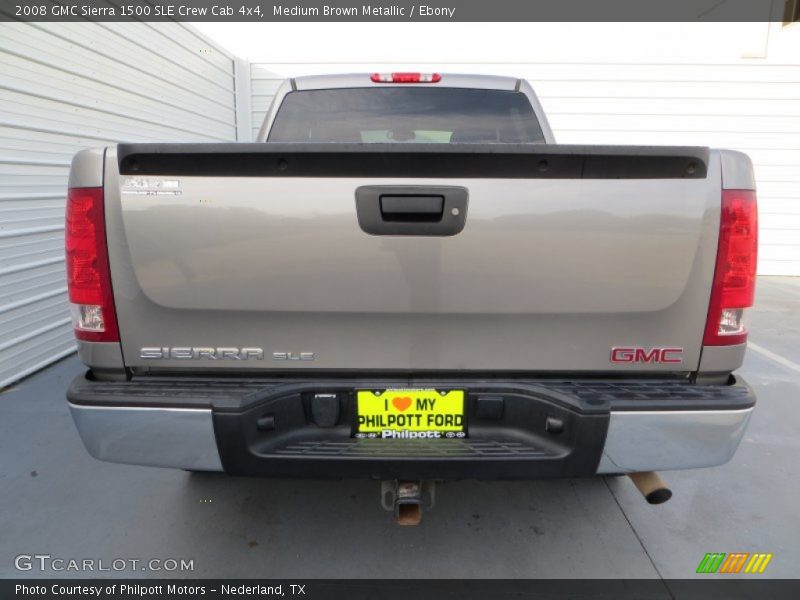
(410, 413)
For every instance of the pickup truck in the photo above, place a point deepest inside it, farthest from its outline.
(406, 279)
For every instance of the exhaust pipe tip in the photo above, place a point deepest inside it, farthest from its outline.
(658, 496)
(651, 486)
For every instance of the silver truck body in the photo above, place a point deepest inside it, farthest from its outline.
(275, 276)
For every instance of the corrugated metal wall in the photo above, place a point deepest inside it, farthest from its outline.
(749, 106)
(64, 87)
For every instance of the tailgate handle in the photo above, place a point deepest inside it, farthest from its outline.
(411, 210)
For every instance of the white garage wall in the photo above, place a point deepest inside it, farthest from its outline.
(64, 87)
(753, 107)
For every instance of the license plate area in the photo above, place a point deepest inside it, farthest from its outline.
(410, 414)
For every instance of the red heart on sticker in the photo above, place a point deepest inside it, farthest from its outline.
(401, 403)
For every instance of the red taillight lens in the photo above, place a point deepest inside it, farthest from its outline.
(406, 77)
(735, 275)
(88, 277)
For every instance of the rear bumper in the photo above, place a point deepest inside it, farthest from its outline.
(158, 437)
(665, 440)
(267, 428)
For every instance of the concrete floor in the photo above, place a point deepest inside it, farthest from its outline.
(57, 500)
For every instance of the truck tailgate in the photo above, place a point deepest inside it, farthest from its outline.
(564, 253)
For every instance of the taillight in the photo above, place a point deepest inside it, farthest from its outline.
(88, 277)
(406, 77)
(735, 274)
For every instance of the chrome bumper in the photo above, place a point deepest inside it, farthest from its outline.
(664, 440)
(181, 438)
(636, 440)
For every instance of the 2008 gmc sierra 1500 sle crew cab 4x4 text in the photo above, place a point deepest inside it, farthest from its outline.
(406, 279)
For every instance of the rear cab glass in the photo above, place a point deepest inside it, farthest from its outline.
(406, 114)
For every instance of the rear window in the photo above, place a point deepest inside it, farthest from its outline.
(406, 114)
